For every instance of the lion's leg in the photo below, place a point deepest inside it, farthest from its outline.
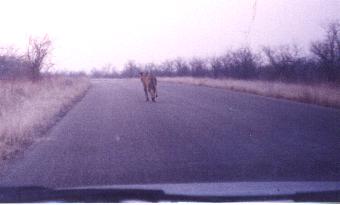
(152, 93)
(153, 98)
(156, 93)
(155, 86)
(146, 93)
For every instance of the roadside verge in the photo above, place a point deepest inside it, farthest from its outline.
(28, 110)
(319, 94)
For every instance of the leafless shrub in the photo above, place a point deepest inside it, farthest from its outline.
(37, 54)
(12, 64)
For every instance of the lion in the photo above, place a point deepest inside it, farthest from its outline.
(149, 82)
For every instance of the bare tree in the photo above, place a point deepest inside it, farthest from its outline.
(181, 67)
(244, 63)
(198, 67)
(168, 68)
(216, 65)
(227, 63)
(328, 51)
(150, 67)
(109, 71)
(130, 70)
(284, 61)
(37, 53)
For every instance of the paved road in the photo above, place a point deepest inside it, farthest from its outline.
(192, 134)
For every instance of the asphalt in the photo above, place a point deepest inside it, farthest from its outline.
(191, 134)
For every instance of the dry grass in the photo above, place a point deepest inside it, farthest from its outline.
(320, 94)
(28, 109)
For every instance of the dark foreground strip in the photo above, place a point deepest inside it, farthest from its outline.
(41, 194)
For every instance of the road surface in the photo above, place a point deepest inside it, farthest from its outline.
(192, 134)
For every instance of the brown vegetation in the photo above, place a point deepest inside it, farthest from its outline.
(28, 109)
(320, 94)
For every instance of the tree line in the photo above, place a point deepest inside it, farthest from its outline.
(283, 63)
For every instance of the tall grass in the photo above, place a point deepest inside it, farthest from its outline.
(320, 94)
(28, 109)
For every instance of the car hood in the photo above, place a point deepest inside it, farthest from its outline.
(232, 188)
(201, 192)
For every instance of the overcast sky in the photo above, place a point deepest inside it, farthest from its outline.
(89, 34)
